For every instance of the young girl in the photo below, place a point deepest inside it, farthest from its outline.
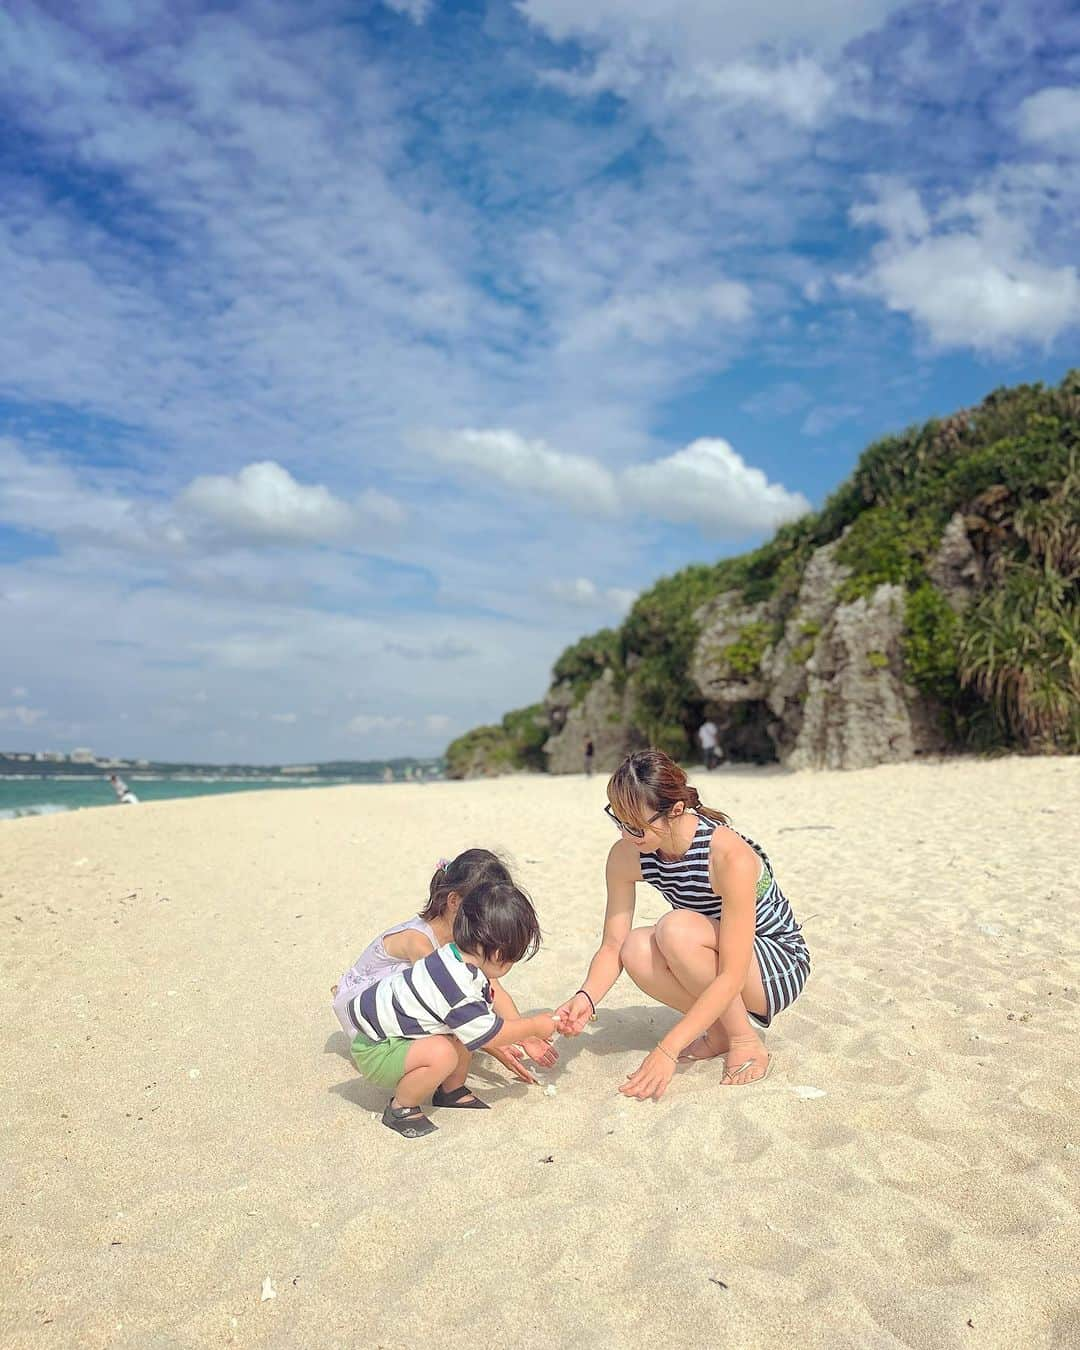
(398, 947)
(415, 1031)
(729, 954)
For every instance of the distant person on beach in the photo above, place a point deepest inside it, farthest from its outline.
(416, 1031)
(590, 751)
(707, 735)
(411, 940)
(729, 956)
(124, 794)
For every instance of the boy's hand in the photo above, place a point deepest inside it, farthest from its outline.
(547, 1024)
(509, 1056)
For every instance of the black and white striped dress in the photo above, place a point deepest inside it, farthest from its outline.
(782, 954)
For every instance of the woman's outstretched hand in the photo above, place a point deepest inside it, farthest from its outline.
(575, 1014)
(652, 1078)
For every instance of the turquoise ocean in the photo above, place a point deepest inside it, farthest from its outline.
(43, 796)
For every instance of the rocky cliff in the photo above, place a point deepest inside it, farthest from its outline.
(933, 604)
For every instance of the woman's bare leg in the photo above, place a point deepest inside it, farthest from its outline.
(677, 960)
(648, 967)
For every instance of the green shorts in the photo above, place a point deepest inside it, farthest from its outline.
(381, 1062)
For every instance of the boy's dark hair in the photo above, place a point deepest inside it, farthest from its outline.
(461, 874)
(497, 921)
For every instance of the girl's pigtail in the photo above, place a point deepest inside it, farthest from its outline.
(437, 892)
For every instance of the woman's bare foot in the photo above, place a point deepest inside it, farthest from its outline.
(747, 1062)
(711, 1044)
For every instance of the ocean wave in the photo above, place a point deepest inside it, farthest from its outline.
(34, 809)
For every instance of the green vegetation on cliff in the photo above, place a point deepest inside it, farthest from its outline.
(1004, 668)
(583, 663)
(517, 742)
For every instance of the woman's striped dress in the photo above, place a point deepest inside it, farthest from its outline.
(782, 954)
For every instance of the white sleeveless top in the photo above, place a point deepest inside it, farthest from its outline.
(373, 964)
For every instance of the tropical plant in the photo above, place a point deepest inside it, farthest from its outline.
(1020, 650)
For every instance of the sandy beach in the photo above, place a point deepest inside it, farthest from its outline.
(182, 1123)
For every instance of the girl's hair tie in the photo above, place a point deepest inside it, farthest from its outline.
(442, 864)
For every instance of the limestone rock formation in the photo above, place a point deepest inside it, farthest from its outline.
(726, 665)
(787, 665)
(955, 569)
(603, 713)
(858, 710)
(827, 689)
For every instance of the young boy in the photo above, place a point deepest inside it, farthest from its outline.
(416, 1030)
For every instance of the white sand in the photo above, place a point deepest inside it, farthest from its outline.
(180, 1121)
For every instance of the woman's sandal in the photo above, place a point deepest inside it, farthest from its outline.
(455, 1098)
(408, 1121)
(734, 1073)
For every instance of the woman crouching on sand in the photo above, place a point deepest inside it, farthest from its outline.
(729, 954)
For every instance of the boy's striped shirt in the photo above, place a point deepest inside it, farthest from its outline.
(440, 993)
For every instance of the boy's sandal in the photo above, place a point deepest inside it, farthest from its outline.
(456, 1098)
(408, 1121)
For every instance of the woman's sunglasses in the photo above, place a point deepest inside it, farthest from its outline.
(632, 830)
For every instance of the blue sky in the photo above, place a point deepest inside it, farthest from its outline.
(357, 357)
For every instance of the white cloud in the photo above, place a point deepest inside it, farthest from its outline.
(437, 723)
(260, 504)
(976, 284)
(712, 28)
(655, 317)
(706, 482)
(800, 89)
(709, 484)
(583, 593)
(253, 652)
(528, 466)
(898, 211)
(1052, 118)
(778, 400)
(25, 717)
(824, 418)
(364, 724)
(378, 507)
(264, 501)
(445, 649)
(39, 493)
(694, 49)
(417, 10)
(18, 692)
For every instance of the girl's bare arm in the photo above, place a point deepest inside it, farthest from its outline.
(408, 945)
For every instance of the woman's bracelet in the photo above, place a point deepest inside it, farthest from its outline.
(592, 1005)
(673, 1058)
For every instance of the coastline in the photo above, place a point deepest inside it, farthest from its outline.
(36, 794)
(183, 1122)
